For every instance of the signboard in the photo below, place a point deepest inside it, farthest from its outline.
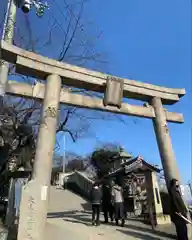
(114, 92)
(182, 190)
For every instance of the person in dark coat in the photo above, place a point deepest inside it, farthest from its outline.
(107, 205)
(96, 198)
(178, 209)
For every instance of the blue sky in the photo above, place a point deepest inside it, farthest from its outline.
(149, 41)
(145, 40)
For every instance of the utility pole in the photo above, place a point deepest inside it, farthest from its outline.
(190, 187)
(64, 153)
(8, 30)
(8, 33)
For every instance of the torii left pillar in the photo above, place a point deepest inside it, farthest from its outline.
(34, 200)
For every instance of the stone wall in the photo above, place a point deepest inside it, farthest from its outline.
(80, 184)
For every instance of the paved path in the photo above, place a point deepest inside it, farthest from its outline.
(69, 218)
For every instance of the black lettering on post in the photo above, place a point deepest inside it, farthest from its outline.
(157, 195)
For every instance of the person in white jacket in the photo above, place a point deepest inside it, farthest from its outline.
(117, 195)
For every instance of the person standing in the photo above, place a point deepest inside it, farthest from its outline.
(96, 198)
(179, 211)
(107, 205)
(117, 194)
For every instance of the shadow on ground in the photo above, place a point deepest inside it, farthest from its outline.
(143, 236)
(84, 217)
(140, 229)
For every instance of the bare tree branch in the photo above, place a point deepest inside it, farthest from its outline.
(71, 43)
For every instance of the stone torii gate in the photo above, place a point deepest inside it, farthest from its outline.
(34, 200)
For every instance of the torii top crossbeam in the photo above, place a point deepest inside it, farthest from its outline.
(31, 64)
(28, 63)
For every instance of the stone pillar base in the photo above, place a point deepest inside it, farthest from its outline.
(163, 219)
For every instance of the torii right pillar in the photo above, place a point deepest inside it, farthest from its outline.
(165, 147)
(164, 141)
